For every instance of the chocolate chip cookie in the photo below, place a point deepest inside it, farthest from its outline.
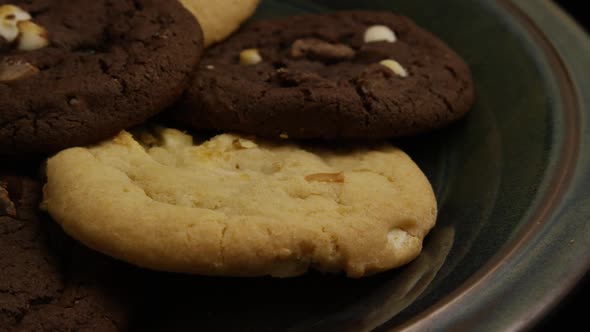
(41, 289)
(77, 72)
(239, 206)
(355, 74)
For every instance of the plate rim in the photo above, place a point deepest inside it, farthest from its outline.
(449, 308)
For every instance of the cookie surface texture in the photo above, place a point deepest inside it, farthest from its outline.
(39, 289)
(241, 207)
(82, 71)
(341, 75)
(219, 18)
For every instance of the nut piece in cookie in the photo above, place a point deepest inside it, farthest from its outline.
(32, 36)
(12, 70)
(318, 49)
(6, 205)
(242, 206)
(10, 16)
(325, 177)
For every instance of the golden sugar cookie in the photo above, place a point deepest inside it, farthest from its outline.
(219, 18)
(241, 206)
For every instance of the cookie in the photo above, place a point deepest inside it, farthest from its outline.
(355, 75)
(241, 206)
(75, 73)
(220, 18)
(39, 289)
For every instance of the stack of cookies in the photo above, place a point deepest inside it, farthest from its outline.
(268, 154)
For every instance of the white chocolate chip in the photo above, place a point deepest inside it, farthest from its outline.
(174, 139)
(395, 67)
(398, 238)
(10, 16)
(16, 25)
(12, 70)
(13, 13)
(250, 57)
(210, 67)
(325, 177)
(9, 32)
(377, 33)
(32, 36)
(284, 136)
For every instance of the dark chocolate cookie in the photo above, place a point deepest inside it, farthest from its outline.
(76, 72)
(43, 288)
(355, 74)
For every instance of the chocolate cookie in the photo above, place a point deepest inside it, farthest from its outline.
(356, 74)
(76, 72)
(42, 289)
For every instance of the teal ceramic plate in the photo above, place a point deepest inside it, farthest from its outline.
(512, 178)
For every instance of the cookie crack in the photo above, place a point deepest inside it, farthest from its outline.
(41, 300)
(14, 130)
(414, 110)
(138, 6)
(10, 292)
(405, 230)
(72, 303)
(390, 180)
(11, 231)
(39, 12)
(464, 87)
(452, 71)
(367, 106)
(333, 243)
(439, 96)
(33, 304)
(106, 70)
(442, 98)
(35, 117)
(222, 245)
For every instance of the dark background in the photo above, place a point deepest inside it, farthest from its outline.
(573, 310)
(576, 9)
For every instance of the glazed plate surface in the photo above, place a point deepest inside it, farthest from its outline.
(511, 179)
